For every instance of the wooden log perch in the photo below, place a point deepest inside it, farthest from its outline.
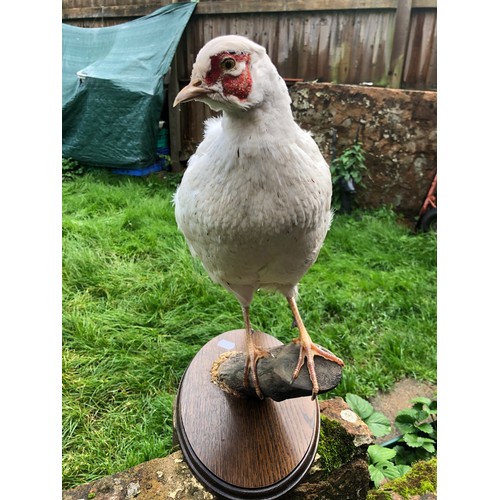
(274, 374)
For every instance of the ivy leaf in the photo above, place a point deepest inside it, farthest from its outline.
(359, 406)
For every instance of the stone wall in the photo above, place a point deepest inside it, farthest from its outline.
(343, 475)
(397, 129)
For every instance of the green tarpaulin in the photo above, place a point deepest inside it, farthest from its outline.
(113, 87)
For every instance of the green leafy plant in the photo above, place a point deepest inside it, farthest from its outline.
(347, 171)
(377, 422)
(418, 426)
(418, 440)
(381, 465)
(349, 165)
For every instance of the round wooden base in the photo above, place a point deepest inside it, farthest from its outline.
(242, 448)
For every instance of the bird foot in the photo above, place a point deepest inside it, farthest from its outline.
(309, 350)
(253, 357)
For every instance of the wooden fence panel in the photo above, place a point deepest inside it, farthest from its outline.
(383, 42)
(343, 47)
(342, 41)
(420, 71)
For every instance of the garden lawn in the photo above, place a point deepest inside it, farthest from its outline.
(137, 308)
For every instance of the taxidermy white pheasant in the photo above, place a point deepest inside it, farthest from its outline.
(254, 202)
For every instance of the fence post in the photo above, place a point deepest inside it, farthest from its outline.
(399, 43)
(174, 118)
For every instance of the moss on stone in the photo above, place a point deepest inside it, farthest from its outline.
(335, 446)
(421, 479)
(379, 495)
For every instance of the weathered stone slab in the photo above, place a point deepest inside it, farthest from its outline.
(274, 374)
(161, 478)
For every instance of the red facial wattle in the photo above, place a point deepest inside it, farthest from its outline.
(239, 86)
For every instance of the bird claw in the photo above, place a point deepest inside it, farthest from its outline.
(251, 366)
(309, 351)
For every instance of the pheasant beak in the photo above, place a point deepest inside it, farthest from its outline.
(191, 91)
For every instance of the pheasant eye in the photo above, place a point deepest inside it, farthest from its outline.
(228, 63)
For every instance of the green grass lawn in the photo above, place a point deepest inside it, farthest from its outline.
(137, 308)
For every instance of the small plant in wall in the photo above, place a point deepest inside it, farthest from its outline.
(418, 439)
(350, 165)
(347, 172)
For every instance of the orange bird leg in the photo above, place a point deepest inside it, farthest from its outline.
(308, 350)
(254, 353)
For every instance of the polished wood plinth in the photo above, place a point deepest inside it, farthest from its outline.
(242, 447)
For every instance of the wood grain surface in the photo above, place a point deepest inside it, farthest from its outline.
(238, 447)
